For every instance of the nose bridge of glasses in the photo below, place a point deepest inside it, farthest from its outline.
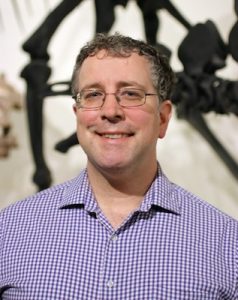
(111, 106)
(115, 96)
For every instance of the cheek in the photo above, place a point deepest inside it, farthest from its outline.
(83, 122)
(86, 118)
(148, 122)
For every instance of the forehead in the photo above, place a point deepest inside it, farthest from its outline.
(107, 68)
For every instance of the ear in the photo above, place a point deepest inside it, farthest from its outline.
(165, 112)
(74, 108)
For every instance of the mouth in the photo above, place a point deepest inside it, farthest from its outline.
(115, 136)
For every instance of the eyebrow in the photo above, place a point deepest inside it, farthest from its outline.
(120, 84)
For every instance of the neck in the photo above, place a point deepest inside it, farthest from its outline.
(120, 193)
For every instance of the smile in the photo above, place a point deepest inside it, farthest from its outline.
(115, 135)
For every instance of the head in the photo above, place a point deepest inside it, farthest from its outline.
(118, 45)
(115, 135)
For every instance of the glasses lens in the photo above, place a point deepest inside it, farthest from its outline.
(131, 97)
(91, 98)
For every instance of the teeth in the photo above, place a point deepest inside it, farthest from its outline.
(114, 136)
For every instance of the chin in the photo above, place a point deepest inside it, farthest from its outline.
(113, 167)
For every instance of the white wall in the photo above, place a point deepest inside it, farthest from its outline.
(184, 155)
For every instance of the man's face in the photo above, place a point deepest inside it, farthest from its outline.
(116, 138)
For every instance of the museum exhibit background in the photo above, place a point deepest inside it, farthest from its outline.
(200, 37)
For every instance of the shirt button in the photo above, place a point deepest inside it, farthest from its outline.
(114, 238)
(110, 283)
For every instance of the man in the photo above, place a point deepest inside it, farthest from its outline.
(121, 229)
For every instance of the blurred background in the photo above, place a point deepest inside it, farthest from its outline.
(186, 157)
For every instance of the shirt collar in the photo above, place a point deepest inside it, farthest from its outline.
(79, 193)
(161, 194)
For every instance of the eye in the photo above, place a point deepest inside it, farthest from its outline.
(132, 94)
(92, 94)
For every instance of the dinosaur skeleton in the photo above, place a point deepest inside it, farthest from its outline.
(196, 92)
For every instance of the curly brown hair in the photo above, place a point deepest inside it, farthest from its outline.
(123, 46)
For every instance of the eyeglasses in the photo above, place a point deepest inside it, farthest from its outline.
(126, 97)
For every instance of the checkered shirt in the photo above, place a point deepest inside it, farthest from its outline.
(58, 245)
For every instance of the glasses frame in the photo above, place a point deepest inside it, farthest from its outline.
(77, 98)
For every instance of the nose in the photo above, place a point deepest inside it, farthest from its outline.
(111, 109)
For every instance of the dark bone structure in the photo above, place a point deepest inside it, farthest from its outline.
(36, 75)
(198, 90)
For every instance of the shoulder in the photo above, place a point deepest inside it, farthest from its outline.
(201, 213)
(42, 201)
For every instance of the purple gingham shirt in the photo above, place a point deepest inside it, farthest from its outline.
(58, 245)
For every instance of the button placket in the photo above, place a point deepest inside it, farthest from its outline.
(110, 283)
